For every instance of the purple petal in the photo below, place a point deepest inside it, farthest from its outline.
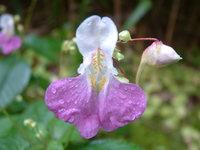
(120, 103)
(74, 101)
(9, 44)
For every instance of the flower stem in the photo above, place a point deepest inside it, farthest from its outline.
(139, 71)
(141, 39)
(17, 126)
(116, 62)
(69, 137)
(60, 64)
(53, 127)
(40, 136)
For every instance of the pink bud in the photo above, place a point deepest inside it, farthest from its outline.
(159, 55)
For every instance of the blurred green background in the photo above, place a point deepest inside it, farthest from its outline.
(172, 117)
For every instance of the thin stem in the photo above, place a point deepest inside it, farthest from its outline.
(40, 136)
(139, 71)
(69, 137)
(30, 13)
(60, 64)
(53, 127)
(116, 62)
(141, 39)
(17, 126)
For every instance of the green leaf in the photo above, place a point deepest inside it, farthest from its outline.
(13, 80)
(110, 144)
(47, 47)
(141, 9)
(13, 143)
(38, 111)
(55, 145)
(6, 125)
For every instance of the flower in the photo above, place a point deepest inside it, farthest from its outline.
(8, 41)
(95, 99)
(159, 55)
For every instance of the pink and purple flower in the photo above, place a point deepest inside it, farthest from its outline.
(8, 41)
(96, 99)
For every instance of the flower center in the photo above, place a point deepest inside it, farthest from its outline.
(98, 70)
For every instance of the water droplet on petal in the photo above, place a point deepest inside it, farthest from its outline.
(64, 88)
(122, 95)
(132, 88)
(71, 119)
(130, 102)
(133, 117)
(125, 88)
(61, 101)
(49, 104)
(60, 110)
(53, 90)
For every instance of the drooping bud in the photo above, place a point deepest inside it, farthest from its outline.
(124, 36)
(117, 55)
(159, 55)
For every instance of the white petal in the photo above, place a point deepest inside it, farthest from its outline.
(109, 36)
(94, 33)
(7, 24)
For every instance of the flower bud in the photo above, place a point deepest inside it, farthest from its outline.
(117, 55)
(159, 55)
(122, 79)
(69, 45)
(124, 36)
(30, 123)
(39, 134)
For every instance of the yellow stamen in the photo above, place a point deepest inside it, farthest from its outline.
(103, 81)
(93, 81)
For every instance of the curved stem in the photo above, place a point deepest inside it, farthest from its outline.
(17, 126)
(141, 39)
(116, 62)
(139, 71)
(69, 137)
